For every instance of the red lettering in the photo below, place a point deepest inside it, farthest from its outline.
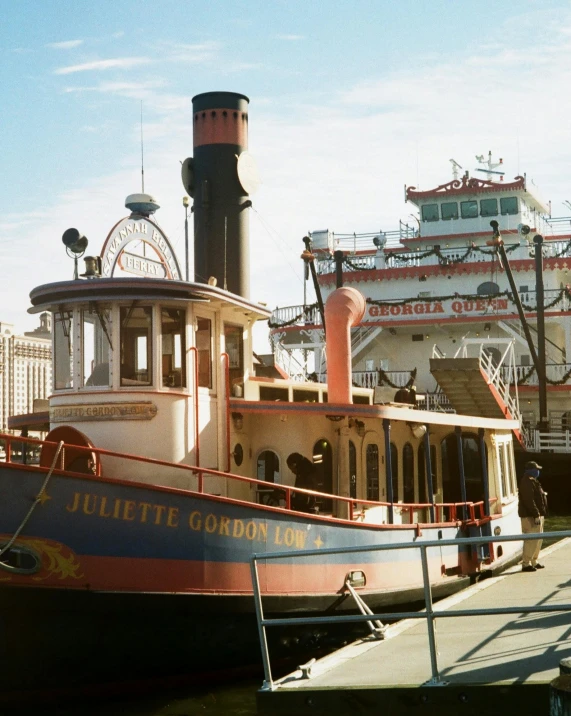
(457, 306)
(407, 310)
(418, 308)
(395, 310)
(374, 311)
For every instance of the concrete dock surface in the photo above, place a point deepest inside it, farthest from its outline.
(497, 664)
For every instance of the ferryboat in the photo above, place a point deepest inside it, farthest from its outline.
(173, 454)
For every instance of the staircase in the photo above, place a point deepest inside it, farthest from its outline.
(474, 385)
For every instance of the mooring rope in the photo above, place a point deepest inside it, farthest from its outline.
(38, 499)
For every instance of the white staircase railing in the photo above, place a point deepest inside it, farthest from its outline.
(495, 368)
(288, 363)
(361, 338)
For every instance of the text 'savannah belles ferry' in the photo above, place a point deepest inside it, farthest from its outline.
(125, 552)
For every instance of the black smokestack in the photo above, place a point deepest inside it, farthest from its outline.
(221, 236)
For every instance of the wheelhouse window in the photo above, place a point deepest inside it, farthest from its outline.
(63, 350)
(488, 207)
(136, 357)
(97, 347)
(449, 210)
(173, 365)
(372, 458)
(203, 338)
(430, 212)
(509, 205)
(469, 209)
(234, 346)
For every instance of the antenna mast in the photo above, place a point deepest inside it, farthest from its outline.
(142, 156)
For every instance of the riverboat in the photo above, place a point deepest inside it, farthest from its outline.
(125, 551)
(439, 287)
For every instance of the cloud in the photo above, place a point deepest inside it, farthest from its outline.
(192, 53)
(65, 45)
(124, 63)
(137, 90)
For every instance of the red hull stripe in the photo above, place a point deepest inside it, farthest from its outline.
(193, 577)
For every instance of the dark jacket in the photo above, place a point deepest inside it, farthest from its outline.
(532, 499)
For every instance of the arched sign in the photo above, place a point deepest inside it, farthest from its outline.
(159, 262)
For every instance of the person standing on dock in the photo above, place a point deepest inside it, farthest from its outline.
(532, 510)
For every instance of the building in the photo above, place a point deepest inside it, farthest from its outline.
(25, 368)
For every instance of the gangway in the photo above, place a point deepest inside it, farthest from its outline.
(474, 384)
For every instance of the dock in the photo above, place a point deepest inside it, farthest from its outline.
(488, 664)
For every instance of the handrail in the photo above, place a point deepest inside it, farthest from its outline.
(194, 351)
(429, 613)
(287, 489)
(225, 358)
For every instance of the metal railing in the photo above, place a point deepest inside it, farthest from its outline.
(429, 613)
(449, 512)
(555, 299)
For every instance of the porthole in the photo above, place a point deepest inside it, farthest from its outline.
(238, 454)
(21, 560)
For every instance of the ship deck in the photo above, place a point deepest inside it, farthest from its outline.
(498, 664)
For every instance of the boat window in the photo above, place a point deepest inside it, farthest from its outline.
(488, 207)
(511, 466)
(173, 325)
(395, 471)
(97, 348)
(423, 495)
(503, 470)
(268, 466)
(203, 338)
(136, 359)
(234, 346)
(472, 469)
(352, 470)
(275, 394)
(408, 473)
(469, 209)
(372, 472)
(63, 350)
(449, 210)
(508, 205)
(430, 212)
(305, 396)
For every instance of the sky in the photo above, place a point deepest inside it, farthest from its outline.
(350, 100)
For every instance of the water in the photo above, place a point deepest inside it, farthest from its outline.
(291, 647)
(230, 700)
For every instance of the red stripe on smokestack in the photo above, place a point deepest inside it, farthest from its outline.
(344, 308)
(221, 126)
